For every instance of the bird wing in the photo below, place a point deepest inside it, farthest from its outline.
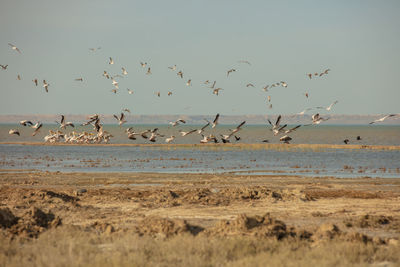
(62, 119)
(241, 124)
(216, 118)
(278, 120)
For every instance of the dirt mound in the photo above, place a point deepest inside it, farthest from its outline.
(215, 196)
(155, 226)
(326, 231)
(339, 193)
(263, 226)
(32, 223)
(7, 219)
(371, 221)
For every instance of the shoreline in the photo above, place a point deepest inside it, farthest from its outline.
(254, 146)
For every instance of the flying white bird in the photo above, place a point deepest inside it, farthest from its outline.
(94, 49)
(383, 118)
(215, 122)
(174, 123)
(187, 133)
(238, 128)
(46, 86)
(124, 72)
(201, 130)
(330, 106)
(121, 120)
(111, 61)
(25, 123)
(13, 47)
(170, 139)
(172, 67)
(129, 91)
(14, 131)
(229, 71)
(245, 61)
(64, 124)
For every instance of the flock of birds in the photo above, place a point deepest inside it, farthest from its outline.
(99, 135)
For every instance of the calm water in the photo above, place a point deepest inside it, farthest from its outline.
(321, 134)
(327, 162)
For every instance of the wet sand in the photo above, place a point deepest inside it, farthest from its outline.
(154, 205)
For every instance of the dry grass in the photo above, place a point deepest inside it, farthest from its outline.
(73, 246)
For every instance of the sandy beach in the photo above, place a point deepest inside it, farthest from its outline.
(125, 219)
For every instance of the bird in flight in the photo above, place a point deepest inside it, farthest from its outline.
(245, 61)
(94, 49)
(18, 77)
(37, 127)
(175, 123)
(63, 124)
(79, 79)
(105, 74)
(317, 119)
(26, 123)
(172, 67)
(13, 47)
(383, 118)
(46, 86)
(229, 72)
(14, 131)
(4, 67)
(169, 93)
(180, 73)
(187, 133)
(127, 110)
(129, 91)
(111, 61)
(201, 130)
(143, 64)
(215, 121)
(35, 81)
(276, 124)
(238, 128)
(170, 139)
(124, 72)
(216, 91)
(189, 82)
(250, 84)
(121, 120)
(148, 71)
(329, 107)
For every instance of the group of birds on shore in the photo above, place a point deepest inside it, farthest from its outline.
(151, 135)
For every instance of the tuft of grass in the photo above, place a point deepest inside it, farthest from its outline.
(74, 246)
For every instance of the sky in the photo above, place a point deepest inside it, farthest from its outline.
(284, 40)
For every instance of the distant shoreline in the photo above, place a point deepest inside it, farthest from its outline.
(224, 146)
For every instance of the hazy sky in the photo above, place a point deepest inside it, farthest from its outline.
(358, 40)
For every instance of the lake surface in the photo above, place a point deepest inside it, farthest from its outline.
(210, 159)
(315, 134)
